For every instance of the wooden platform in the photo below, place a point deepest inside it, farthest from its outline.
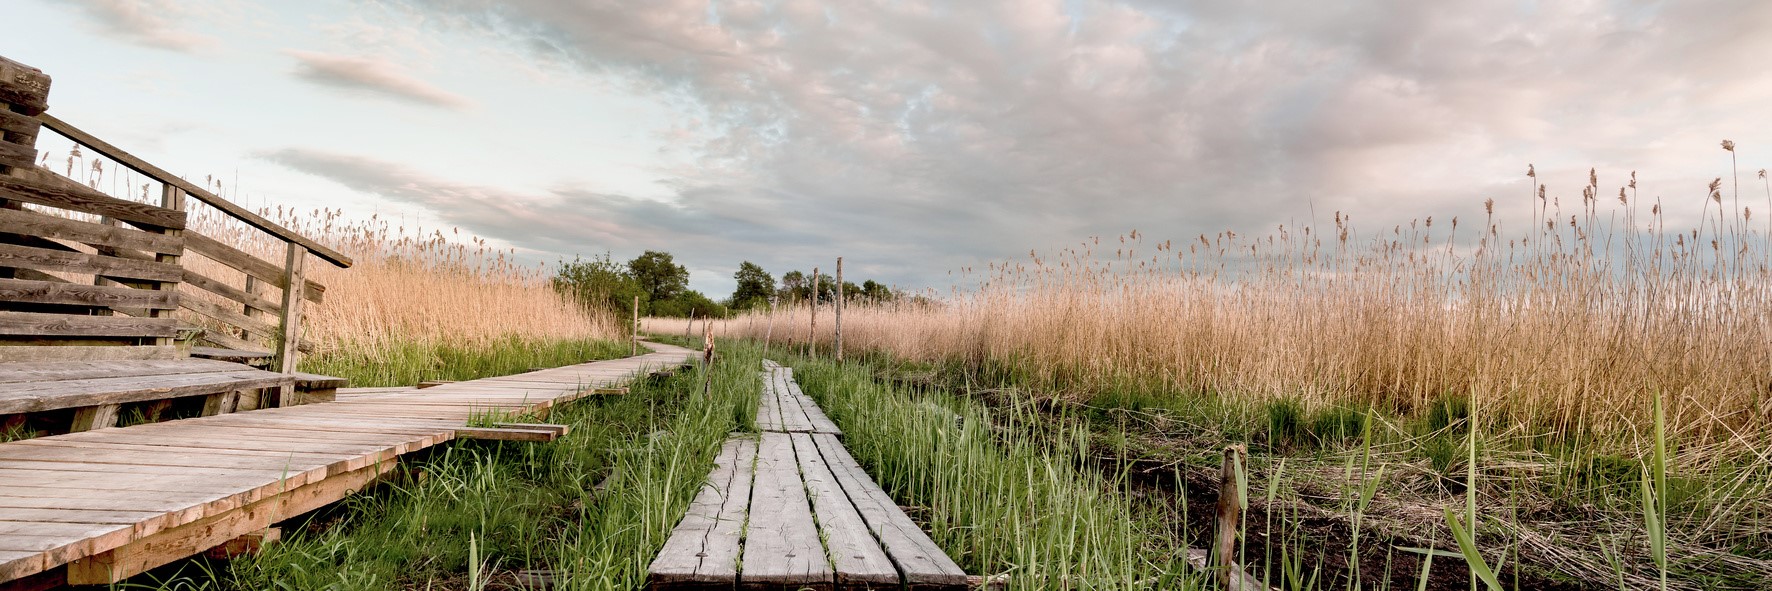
(785, 408)
(115, 502)
(793, 510)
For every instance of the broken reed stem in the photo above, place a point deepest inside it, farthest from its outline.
(1230, 507)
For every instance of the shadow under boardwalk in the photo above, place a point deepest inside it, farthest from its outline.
(106, 504)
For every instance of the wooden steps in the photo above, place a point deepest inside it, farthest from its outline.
(793, 510)
(102, 505)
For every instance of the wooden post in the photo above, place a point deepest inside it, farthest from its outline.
(839, 310)
(288, 343)
(812, 331)
(1230, 507)
(24, 92)
(769, 330)
(634, 336)
(689, 326)
(172, 198)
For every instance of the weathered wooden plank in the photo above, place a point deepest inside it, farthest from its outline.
(232, 355)
(23, 87)
(25, 353)
(96, 391)
(24, 128)
(820, 423)
(46, 188)
(922, 564)
(53, 292)
(781, 547)
(50, 371)
(16, 155)
(73, 325)
(703, 549)
(793, 415)
(247, 263)
(235, 294)
(860, 563)
(507, 434)
(768, 406)
(211, 199)
(44, 259)
(31, 223)
(253, 326)
(136, 557)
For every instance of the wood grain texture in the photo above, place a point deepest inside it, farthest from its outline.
(45, 259)
(54, 292)
(208, 198)
(46, 188)
(41, 396)
(71, 325)
(217, 471)
(251, 265)
(860, 563)
(24, 353)
(703, 549)
(31, 223)
(782, 548)
(922, 564)
(24, 88)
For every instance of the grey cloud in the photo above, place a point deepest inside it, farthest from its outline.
(375, 76)
(569, 221)
(153, 23)
(926, 135)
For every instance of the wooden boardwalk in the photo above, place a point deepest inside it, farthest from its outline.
(114, 502)
(785, 408)
(791, 509)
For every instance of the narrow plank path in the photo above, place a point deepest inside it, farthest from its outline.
(114, 502)
(791, 509)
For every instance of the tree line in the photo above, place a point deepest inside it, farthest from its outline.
(662, 287)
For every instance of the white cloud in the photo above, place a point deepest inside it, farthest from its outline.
(372, 75)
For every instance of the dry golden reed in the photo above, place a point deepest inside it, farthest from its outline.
(1569, 325)
(408, 286)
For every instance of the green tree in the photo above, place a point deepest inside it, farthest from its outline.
(689, 302)
(754, 286)
(875, 292)
(598, 283)
(660, 277)
(794, 287)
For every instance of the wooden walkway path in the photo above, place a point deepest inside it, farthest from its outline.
(111, 503)
(791, 509)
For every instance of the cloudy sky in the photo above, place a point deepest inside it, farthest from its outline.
(911, 137)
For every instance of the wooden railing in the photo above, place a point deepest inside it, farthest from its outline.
(248, 312)
(257, 316)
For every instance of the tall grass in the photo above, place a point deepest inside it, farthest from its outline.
(591, 509)
(1000, 501)
(415, 297)
(1570, 325)
(1564, 324)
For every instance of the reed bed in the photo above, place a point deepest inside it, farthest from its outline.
(416, 302)
(1571, 326)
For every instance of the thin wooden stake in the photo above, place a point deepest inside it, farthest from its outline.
(839, 309)
(707, 359)
(690, 325)
(634, 336)
(812, 331)
(769, 331)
